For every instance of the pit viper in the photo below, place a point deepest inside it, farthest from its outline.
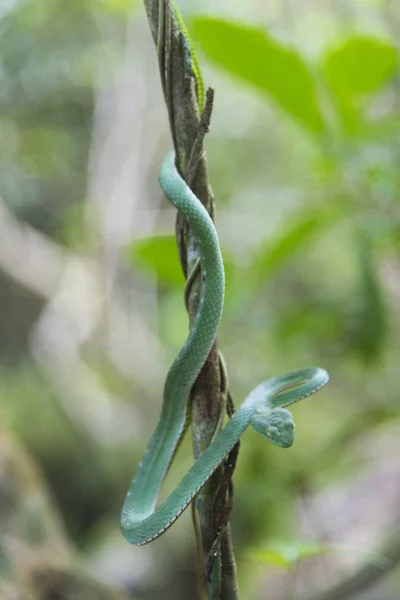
(141, 521)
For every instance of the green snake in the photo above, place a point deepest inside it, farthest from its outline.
(141, 521)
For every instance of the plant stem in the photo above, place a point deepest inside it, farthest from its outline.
(207, 400)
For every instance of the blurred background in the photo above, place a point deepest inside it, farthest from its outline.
(304, 155)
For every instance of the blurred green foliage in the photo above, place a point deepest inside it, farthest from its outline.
(260, 60)
(158, 255)
(303, 154)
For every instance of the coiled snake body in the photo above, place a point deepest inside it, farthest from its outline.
(263, 408)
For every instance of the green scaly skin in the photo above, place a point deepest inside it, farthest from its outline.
(263, 408)
(195, 65)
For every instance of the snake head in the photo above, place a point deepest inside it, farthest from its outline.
(276, 426)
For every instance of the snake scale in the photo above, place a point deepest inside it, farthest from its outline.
(141, 521)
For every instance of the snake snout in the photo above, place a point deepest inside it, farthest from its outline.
(276, 426)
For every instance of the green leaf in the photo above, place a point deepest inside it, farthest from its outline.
(360, 65)
(117, 6)
(295, 236)
(157, 255)
(262, 61)
(371, 319)
(286, 554)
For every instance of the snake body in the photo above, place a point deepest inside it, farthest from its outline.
(263, 408)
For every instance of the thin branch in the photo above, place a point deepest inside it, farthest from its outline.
(208, 406)
(28, 257)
